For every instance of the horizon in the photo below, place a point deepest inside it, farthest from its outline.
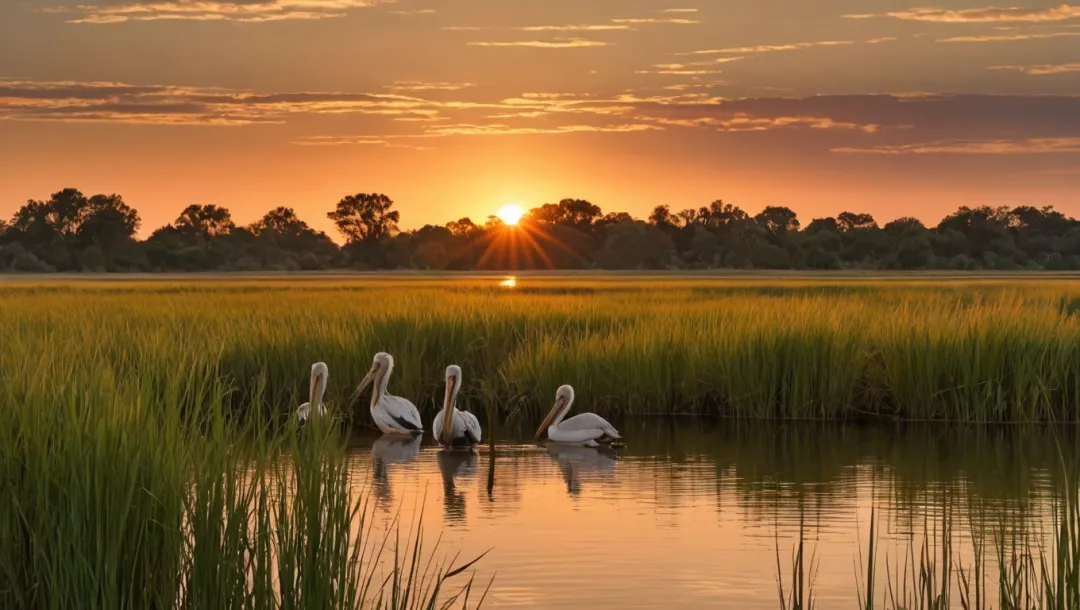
(254, 104)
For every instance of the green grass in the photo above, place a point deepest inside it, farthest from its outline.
(974, 351)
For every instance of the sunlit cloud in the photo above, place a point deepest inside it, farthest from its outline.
(573, 28)
(461, 28)
(795, 46)
(254, 11)
(740, 122)
(565, 43)
(989, 14)
(1041, 70)
(980, 147)
(656, 20)
(423, 11)
(1010, 37)
(679, 10)
(409, 85)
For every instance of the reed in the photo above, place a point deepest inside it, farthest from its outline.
(988, 351)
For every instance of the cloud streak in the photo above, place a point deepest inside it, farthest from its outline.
(1041, 70)
(1010, 37)
(243, 11)
(561, 43)
(795, 46)
(989, 14)
(1025, 146)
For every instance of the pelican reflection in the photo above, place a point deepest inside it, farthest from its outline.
(573, 460)
(389, 450)
(454, 464)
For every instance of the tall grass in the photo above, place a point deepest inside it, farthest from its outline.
(1003, 351)
(135, 487)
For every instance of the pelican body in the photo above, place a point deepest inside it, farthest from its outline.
(319, 375)
(392, 414)
(454, 428)
(588, 429)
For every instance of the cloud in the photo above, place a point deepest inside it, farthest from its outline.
(423, 11)
(679, 10)
(1025, 146)
(244, 11)
(409, 85)
(559, 43)
(989, 14)
(655, 20)
(461, 28)
(572, 28)
(1009, 37)
(795, 46)
(1041, 70)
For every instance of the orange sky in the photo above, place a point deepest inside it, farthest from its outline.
(455, 108)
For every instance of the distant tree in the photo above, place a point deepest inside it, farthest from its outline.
(850, 221)
(818, 225)
(206, 221)
(719, 214)
(661, 216)
(365, 217)
(281, 221)
(109, 226)
(464, 227)
(905, 225)
(778, 222)
(577, 213)
(633, 244)
(687, 217)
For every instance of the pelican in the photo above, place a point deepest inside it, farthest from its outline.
(451, 426)
(319, 374)
(587, 429)
(575, 460)
(392, 414)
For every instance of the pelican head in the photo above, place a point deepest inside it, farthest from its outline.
(564, 397)
(453, 384)
(319, 375)
(381, 366)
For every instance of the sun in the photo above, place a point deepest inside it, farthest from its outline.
(510, 213)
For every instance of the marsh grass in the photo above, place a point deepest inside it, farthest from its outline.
(1022, 571)
(985, 351)
(149, 490)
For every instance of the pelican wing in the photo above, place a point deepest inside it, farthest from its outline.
(472, 427)
(303, 412)
(589, 422)
(397, 413)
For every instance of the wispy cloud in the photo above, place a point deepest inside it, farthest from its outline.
(559, 43)
(1041, 70)
(423, 11)
(1009, 37)
(461, 28)
(741, 122)
(573, 28)
(244, 11)
(409, 85)
(656, 20)
(679, 10)
(795, 46)
(1024, 146)
(989, 14)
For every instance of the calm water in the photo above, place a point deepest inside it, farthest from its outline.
(692, 514)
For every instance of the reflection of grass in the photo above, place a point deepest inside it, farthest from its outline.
(999, 350)
(135, 491)
(1029, 576)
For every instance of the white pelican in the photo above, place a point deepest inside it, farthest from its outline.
(587, 429)
(392, 414)
(451, 426)
(319, 374)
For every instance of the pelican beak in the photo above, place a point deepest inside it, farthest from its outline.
(550, 418)
(363, 384)
(448, 414)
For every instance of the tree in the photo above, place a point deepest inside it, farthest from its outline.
(281, 221)
(850, 221)
(719, 214)
(661, 216)
(464, 227)
(778, 221)
(109, 226)
(206, 221)
(365, 217)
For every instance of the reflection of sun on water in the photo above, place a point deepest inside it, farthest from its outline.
(510, 282)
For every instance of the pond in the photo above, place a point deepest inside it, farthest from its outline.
(697, 514)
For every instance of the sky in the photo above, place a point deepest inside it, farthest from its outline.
(454, 108)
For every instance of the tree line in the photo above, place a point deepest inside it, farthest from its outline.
(73, 232)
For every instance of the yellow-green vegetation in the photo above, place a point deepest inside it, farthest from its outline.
(979, 350)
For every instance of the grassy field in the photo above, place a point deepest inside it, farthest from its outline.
(146, 459)
(984, 349)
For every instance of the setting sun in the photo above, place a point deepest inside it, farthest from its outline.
(510, 213)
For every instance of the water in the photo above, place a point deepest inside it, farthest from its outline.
(694, 514)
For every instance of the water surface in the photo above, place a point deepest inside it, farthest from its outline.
(694, 514)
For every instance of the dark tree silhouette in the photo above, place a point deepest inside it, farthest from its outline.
(206, 221)
(365, 217)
